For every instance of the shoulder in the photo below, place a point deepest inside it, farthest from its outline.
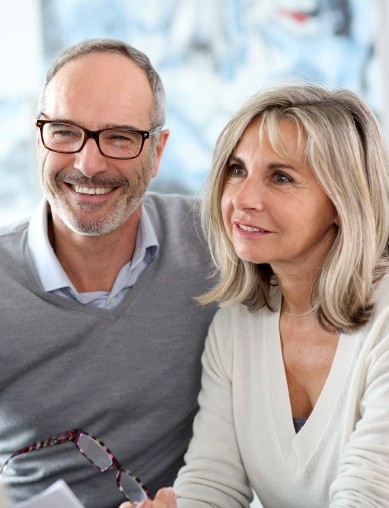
(378, 323)
(233, 315)
(171, 204)
(240, 327)
(12, 232)
(381, 294)
(13, 239)
(13, 228)
(232, 322)
(238, 319)
(380, 317)
(233, 337)
(375, 333)
(175, 219)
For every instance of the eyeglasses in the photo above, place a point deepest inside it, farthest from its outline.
(98, 454)
(115, 142)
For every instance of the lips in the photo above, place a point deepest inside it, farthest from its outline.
(95, 186)
(250, 228)
(91, 190)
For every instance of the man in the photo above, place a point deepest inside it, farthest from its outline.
(99, 327)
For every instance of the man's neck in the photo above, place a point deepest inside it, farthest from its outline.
(92, 263)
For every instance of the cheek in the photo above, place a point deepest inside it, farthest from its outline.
(326, 211)
(50, 164)
(45, 163)
(227, 209)
(42, 154)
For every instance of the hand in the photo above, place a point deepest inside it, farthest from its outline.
(165, 498)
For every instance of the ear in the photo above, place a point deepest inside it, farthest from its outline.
(38, 140)
(159, 149)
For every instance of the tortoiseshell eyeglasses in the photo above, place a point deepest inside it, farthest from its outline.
(98, 454)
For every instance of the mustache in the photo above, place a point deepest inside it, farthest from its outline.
(96, 180)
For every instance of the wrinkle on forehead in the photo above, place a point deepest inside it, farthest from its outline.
(100, 89)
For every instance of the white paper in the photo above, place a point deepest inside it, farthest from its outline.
(57, 495)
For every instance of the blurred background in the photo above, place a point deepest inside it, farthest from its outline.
(211, 54)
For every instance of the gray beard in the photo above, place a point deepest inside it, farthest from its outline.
(115, 217)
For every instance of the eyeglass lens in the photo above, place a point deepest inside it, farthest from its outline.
(94, 452)
(131, 489)
(100, 457)
(69, 138)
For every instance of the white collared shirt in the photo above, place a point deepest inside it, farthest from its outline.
(54, 278)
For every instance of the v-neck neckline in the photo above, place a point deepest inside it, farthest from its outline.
(297, 448)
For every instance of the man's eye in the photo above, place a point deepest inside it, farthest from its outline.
(63, 132)
(122, 137)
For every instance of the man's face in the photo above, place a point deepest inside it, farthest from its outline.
(89, 193)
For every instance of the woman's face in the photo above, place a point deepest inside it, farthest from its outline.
(274, 209)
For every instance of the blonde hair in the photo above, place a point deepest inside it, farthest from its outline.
(346, 150)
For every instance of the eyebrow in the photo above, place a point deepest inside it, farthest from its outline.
(234, 158)
(271, 165)
(106, 126)
(281, 165)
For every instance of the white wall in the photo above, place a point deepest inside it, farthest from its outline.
(20, 47)
(383, 58)
(21, 53)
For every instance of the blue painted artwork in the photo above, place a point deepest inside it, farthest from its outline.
(213, 54)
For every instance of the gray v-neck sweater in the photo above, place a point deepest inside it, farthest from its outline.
(129, 375)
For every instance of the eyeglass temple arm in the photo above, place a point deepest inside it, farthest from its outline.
(70, 435)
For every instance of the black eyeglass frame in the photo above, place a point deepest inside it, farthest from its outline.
(73, 435)
(96, 136)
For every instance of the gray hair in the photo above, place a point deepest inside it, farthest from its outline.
(347, 152)
(89, 46)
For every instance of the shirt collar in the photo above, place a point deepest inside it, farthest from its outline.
(49, 270)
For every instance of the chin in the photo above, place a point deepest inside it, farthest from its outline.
(249, 256)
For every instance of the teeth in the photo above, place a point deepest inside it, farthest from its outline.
(249, 228)
(91, 190)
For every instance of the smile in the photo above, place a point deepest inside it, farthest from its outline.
(250, 229)
(91, 190)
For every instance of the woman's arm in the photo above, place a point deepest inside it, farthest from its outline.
(214, 475)
(363, 477)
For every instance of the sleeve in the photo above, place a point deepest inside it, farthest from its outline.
(214, 475)
(363, 477)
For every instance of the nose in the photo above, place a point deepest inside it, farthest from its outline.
(249, 195)
(89, 160)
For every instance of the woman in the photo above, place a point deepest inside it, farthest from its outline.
(295, 391)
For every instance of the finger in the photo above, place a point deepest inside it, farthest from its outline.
(165, 498)
(144, 504)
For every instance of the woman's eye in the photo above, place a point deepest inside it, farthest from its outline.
(235, 170)
(282, 178)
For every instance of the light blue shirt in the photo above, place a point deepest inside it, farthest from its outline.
(55, 280)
